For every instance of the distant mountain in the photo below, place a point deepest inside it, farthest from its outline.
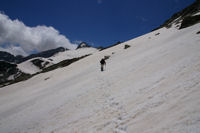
(5, 56)
(44, 54)
(184, 18)
(83, 45)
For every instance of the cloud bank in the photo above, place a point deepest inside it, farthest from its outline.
(19, 39)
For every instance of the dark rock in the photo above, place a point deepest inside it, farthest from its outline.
(40, 63)
(185, 15)
(100, 48)
(19, 58)
(189, 21)
(47, 78)
(8, 69)
(157, 34)
(83, 45)
(126, 46)
(5, 56)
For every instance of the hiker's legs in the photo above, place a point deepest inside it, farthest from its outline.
(101, 67)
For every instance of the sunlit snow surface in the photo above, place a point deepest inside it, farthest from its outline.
(153, 86)
(30, 68)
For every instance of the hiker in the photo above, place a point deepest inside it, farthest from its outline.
(102, 62)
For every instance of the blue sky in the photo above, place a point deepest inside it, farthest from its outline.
(98, 22)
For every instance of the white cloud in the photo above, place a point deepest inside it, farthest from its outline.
(14, 50)
(17, 38)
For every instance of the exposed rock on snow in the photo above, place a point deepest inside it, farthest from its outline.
(185, 18)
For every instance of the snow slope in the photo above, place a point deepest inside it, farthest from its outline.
(30, 68)
(153, 86)
(70, 54)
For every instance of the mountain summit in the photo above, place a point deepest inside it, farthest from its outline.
(83, 45)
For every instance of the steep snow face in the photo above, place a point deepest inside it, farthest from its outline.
(153, 86)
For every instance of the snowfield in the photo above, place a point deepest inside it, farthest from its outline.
(70, 54)
(29, 68)
(151, 87)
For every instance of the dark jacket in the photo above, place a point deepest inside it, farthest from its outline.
(102, 62)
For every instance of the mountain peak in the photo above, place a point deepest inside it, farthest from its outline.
(83, 45)
(5, 56)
